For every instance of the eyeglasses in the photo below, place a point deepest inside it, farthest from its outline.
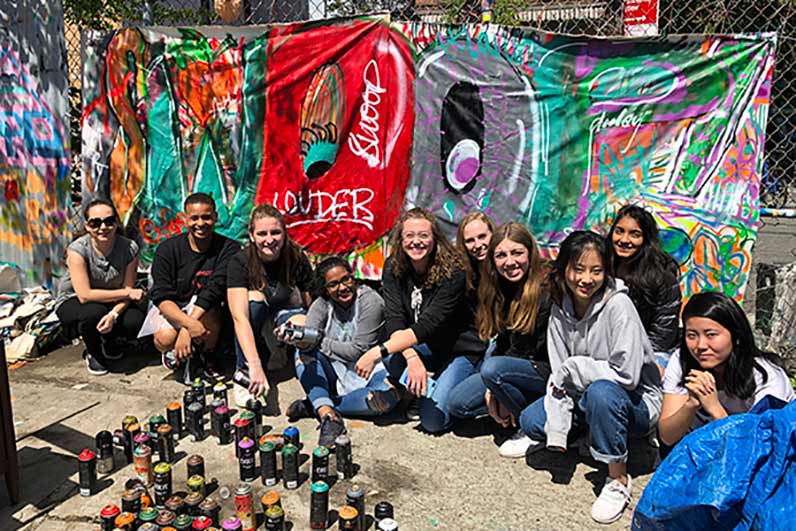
(334, 284)
(95, 223)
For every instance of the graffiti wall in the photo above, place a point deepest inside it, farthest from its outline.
(34, 140)
(342, 123)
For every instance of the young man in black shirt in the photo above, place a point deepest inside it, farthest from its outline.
(189, 288)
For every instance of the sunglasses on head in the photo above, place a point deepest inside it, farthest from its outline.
(95, 223)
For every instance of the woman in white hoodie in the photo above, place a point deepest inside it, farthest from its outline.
(603, 372)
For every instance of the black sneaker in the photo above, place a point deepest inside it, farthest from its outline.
(413, 409)
(300, 409)
(94, 366)
(330, 428)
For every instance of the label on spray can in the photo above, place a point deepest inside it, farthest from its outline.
(244, 507)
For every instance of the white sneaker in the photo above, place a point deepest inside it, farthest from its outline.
(516, 445)
(611, 503)
(241, 395)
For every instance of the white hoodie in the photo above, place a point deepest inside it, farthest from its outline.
(608, 343)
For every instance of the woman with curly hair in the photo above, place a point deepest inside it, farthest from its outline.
(428, 320)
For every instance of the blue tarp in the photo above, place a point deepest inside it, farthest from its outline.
(735, 473)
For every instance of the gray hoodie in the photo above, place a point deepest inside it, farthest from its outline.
(608, 343)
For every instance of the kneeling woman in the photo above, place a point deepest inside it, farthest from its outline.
(513, 308)
(269, 281)
(427, 317)
(344, 322)
(718, 371)
(603, 371)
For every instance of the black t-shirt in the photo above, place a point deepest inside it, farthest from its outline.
(179, 272)
(276, 294)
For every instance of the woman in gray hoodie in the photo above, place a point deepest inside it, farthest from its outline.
(603, 371)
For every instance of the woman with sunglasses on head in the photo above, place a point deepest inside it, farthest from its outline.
(342, 324)
(98, 296)
(651, 277)
(428, 318)
(718, 370)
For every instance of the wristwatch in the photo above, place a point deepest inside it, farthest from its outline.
(383, 350)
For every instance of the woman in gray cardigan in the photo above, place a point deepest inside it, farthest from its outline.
(342, 324)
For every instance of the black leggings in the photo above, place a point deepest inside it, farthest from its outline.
(87, 316)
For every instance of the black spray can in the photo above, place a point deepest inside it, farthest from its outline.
(355, 497)
(195, 465)
(165, 443)
(343, 457)
(241, 430)
(162, 483)
(224, 427)
(256, 407)
(246, 460)
(211, 509)
(275, 519)
(87, 468)
(268, 464)
(199, 394)
(290, 466)
(131, 501)
(214, 404)
(174, 418)
(319, 505)
(220, 393)
(196, 423)
(187, 399)
(320, 464)
(104, 441)
(129, 432)
(192, 502)
(383, 510)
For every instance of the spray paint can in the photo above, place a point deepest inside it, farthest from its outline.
(148, 514)
(142, 463)
(275, 439)
(319, 505)
(256, 407)
(131, 501)
(244, 506)
(108, 516)
(195, 465)
(165, 519)
(220, 392)
(214, 404)
(251, 427)
(149, 526)
(202, 523)
(192, 501)
(270, 499)
(162, 483)
(142, 439)
(174, 418)
(387, 524)
(187, 398)
(343, 457)
(355, 497)
(196, 421)
(199, 393)
(196, 484)
(104, 441)
(246, 460)
(292, 436)
(224, 427)
(231, 524)
(275, 519)
(383, 510)
(155, 421)
(241, 431)
(320, 464)
(165, 443)
(268, 464)
(348, 518)
(125, 521)
(129, 434)
(290, 466)
(176, 504)
(183, 522)
(210, 509)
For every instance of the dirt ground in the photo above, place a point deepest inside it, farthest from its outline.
(453, 481)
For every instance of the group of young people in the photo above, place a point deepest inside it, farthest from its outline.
(588, 343)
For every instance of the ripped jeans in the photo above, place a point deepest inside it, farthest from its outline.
(319, 380)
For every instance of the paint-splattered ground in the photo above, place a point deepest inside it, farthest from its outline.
(455, 481)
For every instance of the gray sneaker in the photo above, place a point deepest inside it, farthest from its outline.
(330, 429)
(94, 366)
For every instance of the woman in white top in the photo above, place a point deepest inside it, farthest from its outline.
(718, 371)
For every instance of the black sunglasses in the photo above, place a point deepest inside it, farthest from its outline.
(95, 223)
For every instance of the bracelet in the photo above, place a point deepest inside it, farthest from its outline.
(113, 314)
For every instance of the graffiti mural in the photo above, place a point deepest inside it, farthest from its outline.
(34, 143)
(341, 123)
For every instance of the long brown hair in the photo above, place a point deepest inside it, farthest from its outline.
(470, 265)
(444, 260)
(491, 317)
(289, 256)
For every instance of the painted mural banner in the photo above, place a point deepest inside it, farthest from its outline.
(341, 123)
(34, 141)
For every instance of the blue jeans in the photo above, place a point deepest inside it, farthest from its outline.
(259, 313)
(319, 380)
(608, 410)
(448, 373)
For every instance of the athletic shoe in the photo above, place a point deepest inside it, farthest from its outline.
(611, 503)
(516, 445)
(330, 429)
(94, 366)
(241, 395)
(300, 409)
(413, 409)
